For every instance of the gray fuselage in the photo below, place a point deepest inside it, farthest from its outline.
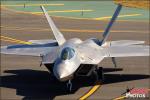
(68, 60)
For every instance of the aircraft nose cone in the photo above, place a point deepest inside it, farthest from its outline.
(60, 72)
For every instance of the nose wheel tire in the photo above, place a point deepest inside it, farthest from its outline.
(69, 86)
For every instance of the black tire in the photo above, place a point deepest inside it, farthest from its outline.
(94, 74)
(100, 74)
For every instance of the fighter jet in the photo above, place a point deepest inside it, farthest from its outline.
(66, 59)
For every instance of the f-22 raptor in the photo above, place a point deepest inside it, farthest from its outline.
(66, 59)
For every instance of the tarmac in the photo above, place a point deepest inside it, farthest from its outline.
(23, 78)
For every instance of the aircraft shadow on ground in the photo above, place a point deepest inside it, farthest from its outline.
(33, 84)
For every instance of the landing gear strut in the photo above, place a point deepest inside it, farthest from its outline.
(114, 62)
(69, 86)
(98, 73)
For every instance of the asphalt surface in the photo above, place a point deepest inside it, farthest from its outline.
(23, 78)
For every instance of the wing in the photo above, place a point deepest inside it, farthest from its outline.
(32, 50)
(126, 51)
(43, 41)
(90, 53)
(122, 43)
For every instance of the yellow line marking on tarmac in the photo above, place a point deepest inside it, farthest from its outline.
(63, 11)
(100, 18)
(91, 91)
(15, 11)
(4, 38)
(13, 41)
(108, 17)
(96, 31)
(71, 30)
(19, 5)
(50, 11)
(120, 98)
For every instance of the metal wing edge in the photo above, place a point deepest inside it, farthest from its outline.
(127, 51)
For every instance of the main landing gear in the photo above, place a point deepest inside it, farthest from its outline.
(114, 62)
(69, 86)
(98, 73)
(94, 72)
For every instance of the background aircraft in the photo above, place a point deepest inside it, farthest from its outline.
(67, 59)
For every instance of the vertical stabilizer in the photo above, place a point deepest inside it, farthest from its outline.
(58, 35)
(114, 17)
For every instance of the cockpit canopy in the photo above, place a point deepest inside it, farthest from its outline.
(67, 53)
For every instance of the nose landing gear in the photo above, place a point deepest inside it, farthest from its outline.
(69, 86)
